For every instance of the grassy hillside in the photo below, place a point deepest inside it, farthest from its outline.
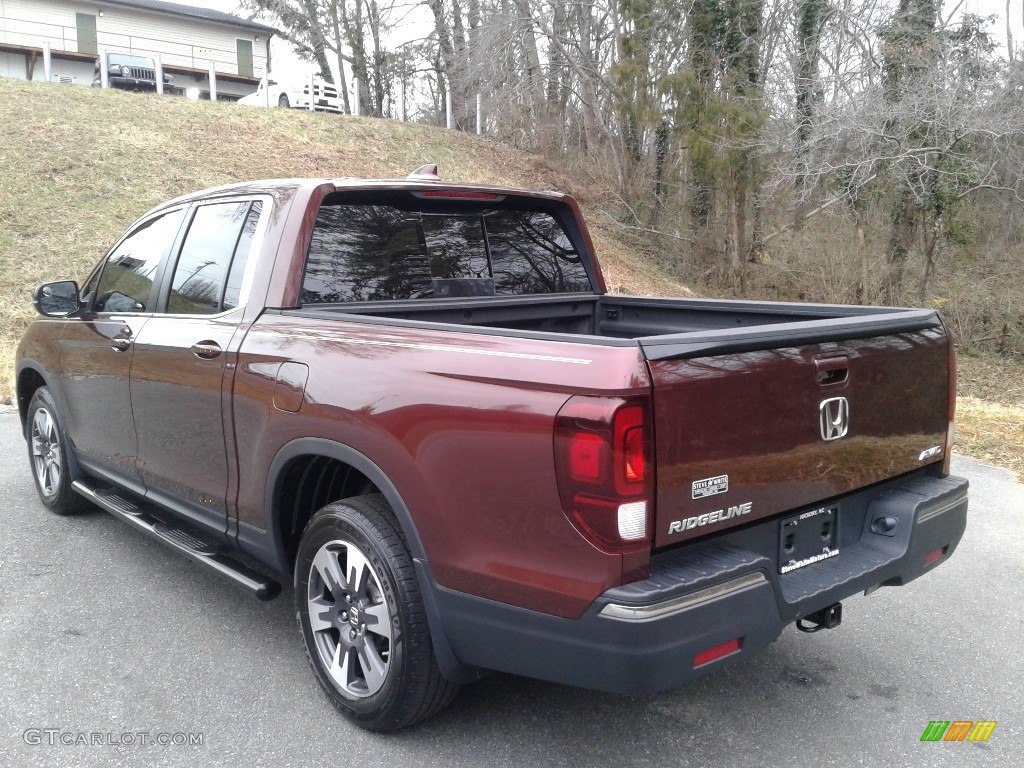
(78, 165)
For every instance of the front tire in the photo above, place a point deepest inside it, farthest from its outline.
(49, 458)
(282, 101)
(361, 614)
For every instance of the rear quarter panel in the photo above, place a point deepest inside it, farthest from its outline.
(461, 423)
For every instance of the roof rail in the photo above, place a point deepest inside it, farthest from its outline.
(424, 173)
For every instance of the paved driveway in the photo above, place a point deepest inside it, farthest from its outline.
(107, 636)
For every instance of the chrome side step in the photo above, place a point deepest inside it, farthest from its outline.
(189, 543)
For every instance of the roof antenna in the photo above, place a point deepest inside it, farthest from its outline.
(424, 173)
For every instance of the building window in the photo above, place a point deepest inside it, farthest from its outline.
(244, 49)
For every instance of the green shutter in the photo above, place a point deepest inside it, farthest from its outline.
(244, 48)
(86, 33)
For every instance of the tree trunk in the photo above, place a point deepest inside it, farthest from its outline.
(353, 28)
(446, 56)
(534, 77)
(588, 91)
(931, 239)
(811, 16)
(705, 33)
(904, 228)
(379, 88)
(866, 294)
(342, 85)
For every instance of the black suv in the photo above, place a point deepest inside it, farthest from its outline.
(131, 73)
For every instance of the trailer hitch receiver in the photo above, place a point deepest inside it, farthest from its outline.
(826, 618)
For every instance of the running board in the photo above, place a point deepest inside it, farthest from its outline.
(138, 514)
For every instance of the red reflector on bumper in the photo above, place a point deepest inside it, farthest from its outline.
(712, 654)
(931, 557)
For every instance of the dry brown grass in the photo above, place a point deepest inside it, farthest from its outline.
(78, 165)
(991, 432)
(990, 410)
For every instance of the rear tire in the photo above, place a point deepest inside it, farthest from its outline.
(282, 101)
(361, 615)
(49, 458)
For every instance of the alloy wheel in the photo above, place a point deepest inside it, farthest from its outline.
(46, 456)
(349, 619)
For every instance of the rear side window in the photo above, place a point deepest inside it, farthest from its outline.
(209, 271)
(530, 253)
(241, 258)
(127, 279)
(381, 252)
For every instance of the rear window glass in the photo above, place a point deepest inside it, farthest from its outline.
(380, 252)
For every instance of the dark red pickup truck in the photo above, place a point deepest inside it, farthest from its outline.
(416, 400)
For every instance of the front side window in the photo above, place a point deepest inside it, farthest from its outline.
(365, 252)
(201, 284)
(127, 279)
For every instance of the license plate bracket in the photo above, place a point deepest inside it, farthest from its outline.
(807, 538)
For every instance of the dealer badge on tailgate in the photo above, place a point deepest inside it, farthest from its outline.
(807, 538)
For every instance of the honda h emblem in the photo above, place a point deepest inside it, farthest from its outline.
(834, 415)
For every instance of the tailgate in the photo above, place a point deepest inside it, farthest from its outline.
(749, 434)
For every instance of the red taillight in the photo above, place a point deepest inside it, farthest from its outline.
(630, 448)
(602, 461)
(634, 458)
(715, 653)
(585, 457)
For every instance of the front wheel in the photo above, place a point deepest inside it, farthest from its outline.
(283, 101)
(361, 615)
(48, 455)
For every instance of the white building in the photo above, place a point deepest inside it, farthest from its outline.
(187, 40)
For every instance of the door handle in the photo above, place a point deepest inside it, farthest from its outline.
(207, 350)
(122, 341)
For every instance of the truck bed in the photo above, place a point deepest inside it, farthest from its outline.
(664, 327)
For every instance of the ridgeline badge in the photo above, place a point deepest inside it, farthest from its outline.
(718, 516)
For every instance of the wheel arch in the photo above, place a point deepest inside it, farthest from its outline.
(30, 377)
(317, 447)
(313, 447)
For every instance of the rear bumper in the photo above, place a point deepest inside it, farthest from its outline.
(644, 637)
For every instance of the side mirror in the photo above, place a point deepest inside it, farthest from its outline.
(59, 299)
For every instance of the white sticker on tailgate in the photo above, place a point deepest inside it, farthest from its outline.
(710, 486)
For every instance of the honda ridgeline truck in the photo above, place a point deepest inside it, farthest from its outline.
(416, 401)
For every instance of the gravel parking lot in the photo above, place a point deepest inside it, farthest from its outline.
(114, 643)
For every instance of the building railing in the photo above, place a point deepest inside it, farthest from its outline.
(212, 74)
